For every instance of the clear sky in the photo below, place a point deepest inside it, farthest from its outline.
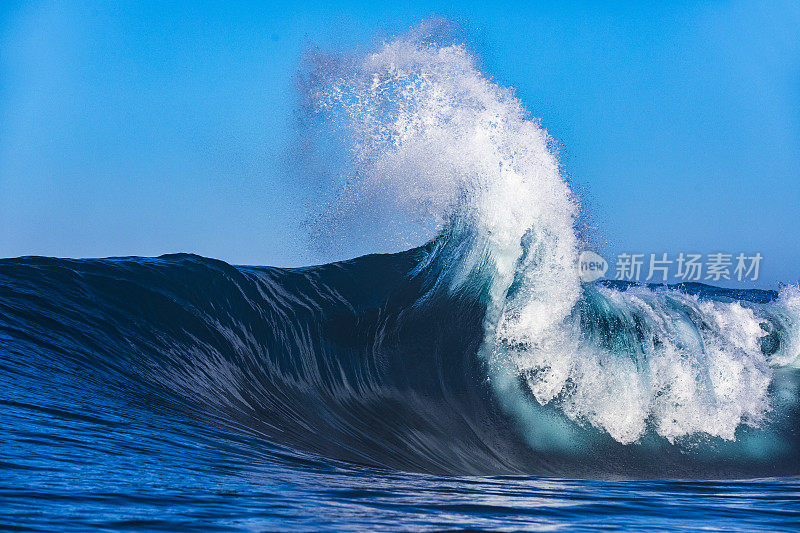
(147, 128)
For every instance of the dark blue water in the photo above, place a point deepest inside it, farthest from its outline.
(182, 393)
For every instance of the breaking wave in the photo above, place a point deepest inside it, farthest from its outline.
(478, 352)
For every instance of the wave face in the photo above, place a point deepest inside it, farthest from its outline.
(480, 352)
(369, 361)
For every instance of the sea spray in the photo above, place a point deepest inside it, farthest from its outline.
(433, 137)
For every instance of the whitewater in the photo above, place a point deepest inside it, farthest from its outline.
(435, 138)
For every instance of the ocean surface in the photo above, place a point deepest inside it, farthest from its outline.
(182, 393)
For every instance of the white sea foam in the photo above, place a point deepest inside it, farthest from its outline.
(680, 366)
(435, 138)
(786, 314)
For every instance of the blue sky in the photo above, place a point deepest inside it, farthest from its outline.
(142, 129)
